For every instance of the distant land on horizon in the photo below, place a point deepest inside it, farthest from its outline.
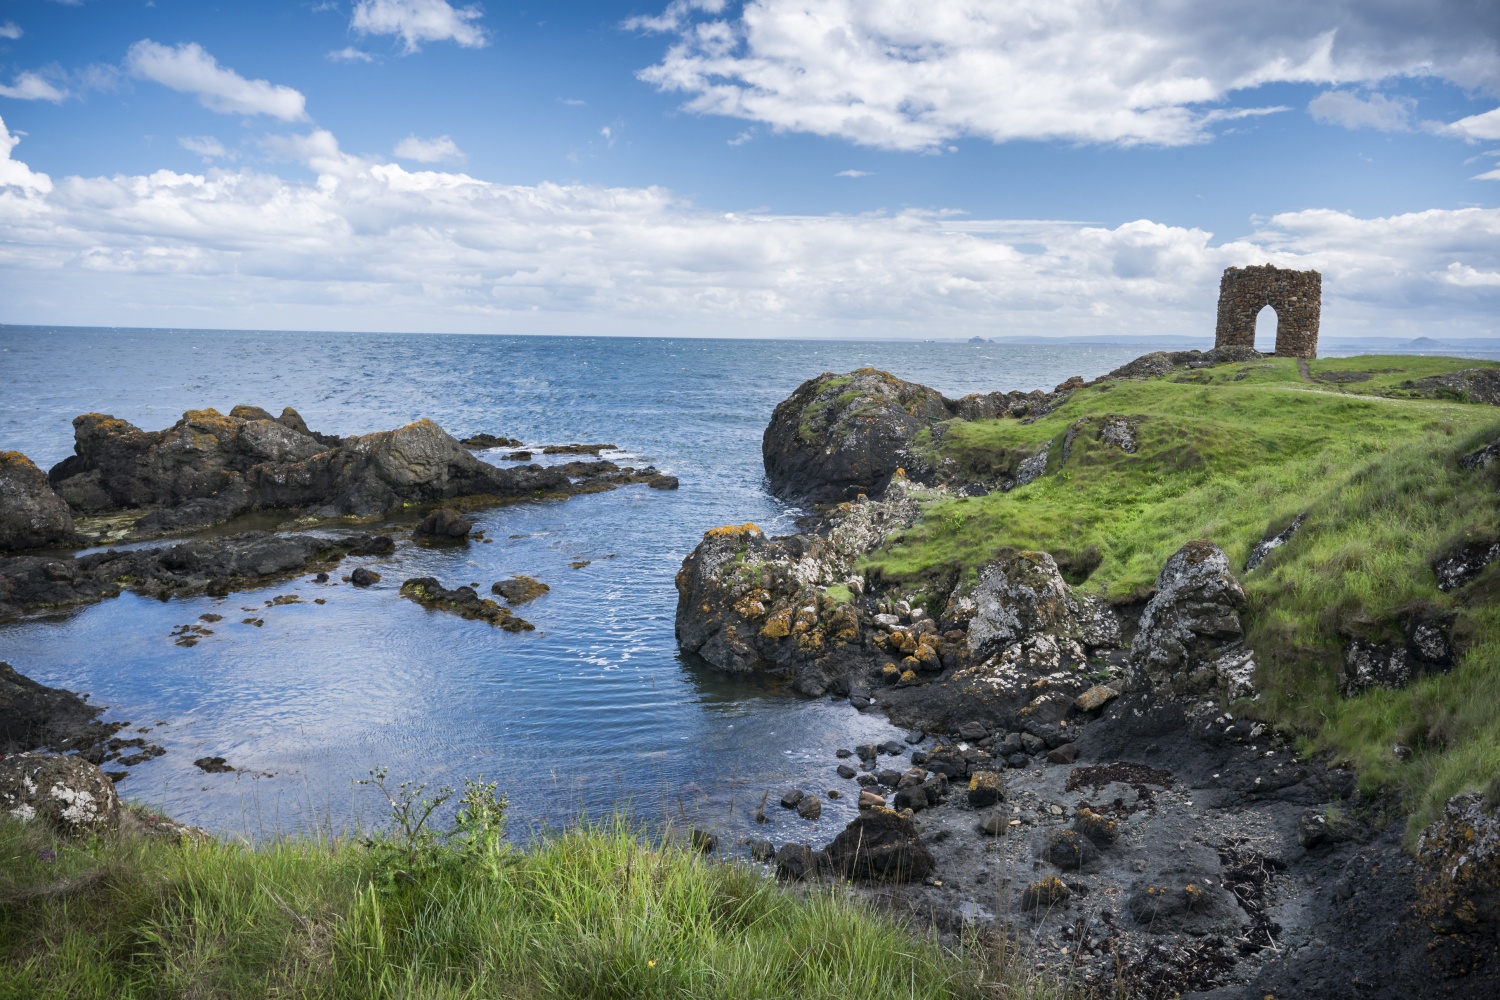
(1186, 342)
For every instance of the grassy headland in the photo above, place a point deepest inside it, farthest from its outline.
(1234, 454)
(589, 913)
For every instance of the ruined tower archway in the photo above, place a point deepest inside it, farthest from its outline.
(1296, 296)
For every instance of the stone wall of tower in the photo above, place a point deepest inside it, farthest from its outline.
(1297, 297)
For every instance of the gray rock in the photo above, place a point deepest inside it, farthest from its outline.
(1266, 546)
(1464, 562)
(1190, 627)
(66, 792)
(801, 862)
(790, 799)
(810, 807)
(1023, 594)
(31, 514)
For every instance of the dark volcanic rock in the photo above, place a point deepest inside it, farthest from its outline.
(801, 862)
(1464, 562)
(363, 577)
(31, 514)
(881, 844)
(444, 525)
(66, 792)
(33, 716)
(479, 441)
(463, 602)
(209, 565)
(209, 467)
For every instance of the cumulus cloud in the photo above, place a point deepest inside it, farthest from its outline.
(373, 245)
(16, 175)
(418, 21)
(31, 87)
(1346, 108)
(10, 30)
(913, 75)
(188, 69)
(350, 54)
(440, 150)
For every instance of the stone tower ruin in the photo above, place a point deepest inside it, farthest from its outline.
(1297, 297)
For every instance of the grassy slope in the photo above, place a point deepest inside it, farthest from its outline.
(430, 912)
(593, 913)
(1233, 454)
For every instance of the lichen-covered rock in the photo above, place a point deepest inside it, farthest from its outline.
(1190, 630)
(1465, 561)
(1022, 595)
(1459, 888)
(209, 467)
(747, 602)
(881, 844)
(66, 792)
(31, 514)
(1472, 385)
(840, 435)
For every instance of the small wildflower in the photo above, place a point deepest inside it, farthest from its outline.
(46, 855)
(651, 964)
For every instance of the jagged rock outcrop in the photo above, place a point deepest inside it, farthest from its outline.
(1190, 637)
(31, 514)
(209, 565)
(209, 467)
(66, 792)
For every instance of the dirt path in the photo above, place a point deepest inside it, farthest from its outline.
(1302, 369)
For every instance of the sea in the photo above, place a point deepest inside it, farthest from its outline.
(593, 715)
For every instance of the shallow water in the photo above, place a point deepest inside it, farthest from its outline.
(593, 711)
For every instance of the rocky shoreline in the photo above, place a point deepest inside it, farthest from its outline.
(1076, 778)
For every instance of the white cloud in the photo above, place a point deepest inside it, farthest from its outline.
(189, 69)
(370, 245)
(350, 54)
(205, 146)
(1346, 108)
(418, 21)
(1483, 126)
(572, 102)
(15, 174)
(10, 30)
(853, 173)
(914, 74)
(31, 87)
(439, 150)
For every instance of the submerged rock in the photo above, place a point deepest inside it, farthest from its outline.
(462, 601)
(31, 514)
(66, 792)
(208, 565)
(519, 589)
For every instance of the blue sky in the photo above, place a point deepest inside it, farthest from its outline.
(782, 167)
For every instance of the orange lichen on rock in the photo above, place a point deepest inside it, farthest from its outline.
(733, 530)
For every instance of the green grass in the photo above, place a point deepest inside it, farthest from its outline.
(1234, 459)
(593, 912)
